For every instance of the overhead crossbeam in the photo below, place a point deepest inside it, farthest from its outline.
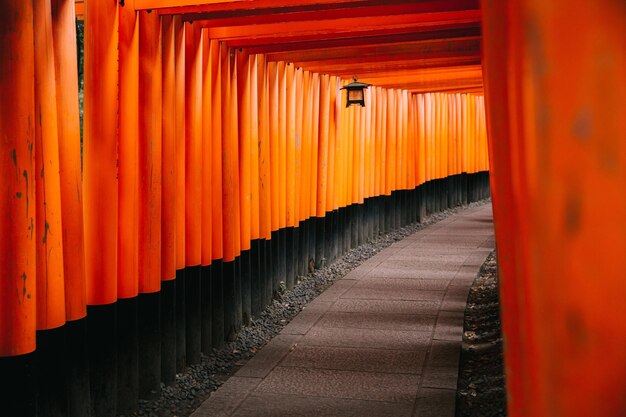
(421, 46)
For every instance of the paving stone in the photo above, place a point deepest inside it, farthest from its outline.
(303, 322)
(375, 282)
(336, 290)
(366, 338)
(341, 384)
(386, 306)
(227, 398)
(440, 377)
(269, 357)
(439, 265)
(435, 403)
(443, 354)
(390, 271)
(277, 405)
(358, 359)
(392, 294)
(384, 321)
(449, 326)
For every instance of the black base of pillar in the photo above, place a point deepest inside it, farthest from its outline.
(290, 256)
(51, 378)
(19, 397)
(257, 278)
(217, 304)
(168, 331)
(275, 262)
(127, 356)
(205, 309)
(77, 369)
(228, 282)
(181, 332)
(246, 286)
(149, 345)
(101, 342)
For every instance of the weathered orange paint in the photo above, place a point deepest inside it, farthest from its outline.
(230, 164)
(315, 123)
(265, 181)
(100, 187)
(128, 155)
(217, 247)
(390, 175)
(272, 70)
(193, 145)
(290, 144)
(150, 151)
(332, 199)
(557, 155)
(299, 195)
(48, 234)
(244, 144)
(207, 150)
(306, 133)
(66, 74)
(168, 149)
(282, 142)
(18, 288)
(180, 127)
(322, 169)
(255, 232)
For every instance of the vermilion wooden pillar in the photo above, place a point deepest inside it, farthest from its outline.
(100, 151)
(128, 204)
(17, 118)
(48, 232)
(150, 195)
(150, 151)
(100, 190)
(556, 96)
(66, 72)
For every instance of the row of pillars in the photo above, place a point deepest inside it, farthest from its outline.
(102, 365)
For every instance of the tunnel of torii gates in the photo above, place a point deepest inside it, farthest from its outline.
(219, 163)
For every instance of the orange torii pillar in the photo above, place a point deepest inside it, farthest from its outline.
(322, 179)
(168, 202)
(207, 199)
(556, 99)
(128, 206)
(282, 171)
(179, 124)
(264, 180)
(244, 168)
(100, 187)
(66, 74)
(331, 207)
(309, 167)
(17, 165)
(193, 189)
(257, 286)
(230, 194)
(48, 236)
(274, 174)
(150, 195)
(289, 132)
(217, 239)
(300, 214)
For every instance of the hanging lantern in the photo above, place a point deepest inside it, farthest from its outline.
(356, 93)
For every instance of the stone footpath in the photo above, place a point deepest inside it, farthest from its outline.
(382, 341)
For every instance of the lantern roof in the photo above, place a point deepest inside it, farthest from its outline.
(355, 85)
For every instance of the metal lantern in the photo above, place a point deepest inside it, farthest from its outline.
(356, 93)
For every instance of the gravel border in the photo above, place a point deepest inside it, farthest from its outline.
(195, 385)
(481, 386)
